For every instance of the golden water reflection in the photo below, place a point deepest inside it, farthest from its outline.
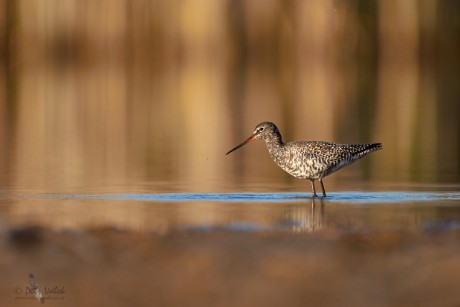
(300, 216)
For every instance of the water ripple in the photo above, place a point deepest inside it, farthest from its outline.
(349, 197)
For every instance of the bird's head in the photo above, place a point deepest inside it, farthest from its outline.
(264, 130)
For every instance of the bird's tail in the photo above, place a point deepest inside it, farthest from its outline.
(375, 146)
(364, 150)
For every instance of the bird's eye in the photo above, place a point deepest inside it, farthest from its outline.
(260, 129)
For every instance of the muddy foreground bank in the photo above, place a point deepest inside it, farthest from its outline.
(109, 267)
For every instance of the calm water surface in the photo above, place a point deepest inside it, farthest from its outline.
(418, 208)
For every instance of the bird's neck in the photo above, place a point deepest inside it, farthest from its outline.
(274, 142)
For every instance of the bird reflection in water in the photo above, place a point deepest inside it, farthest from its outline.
(306, 218)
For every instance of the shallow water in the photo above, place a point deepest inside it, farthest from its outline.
(347, 211)
(362, 197)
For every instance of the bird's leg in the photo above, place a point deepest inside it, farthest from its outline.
(322, 187)
(313, 187)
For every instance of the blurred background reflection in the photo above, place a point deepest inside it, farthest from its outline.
(134, 95)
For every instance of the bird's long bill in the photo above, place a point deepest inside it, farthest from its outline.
(249, 139)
